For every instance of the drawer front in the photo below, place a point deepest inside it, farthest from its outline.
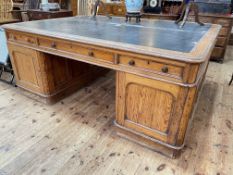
(109, 9)
(224, 31)
(218, 53)
(202, 19)
(205, 19)
(221, 41)
(222, 22)
(24, 39)
(76, 49)
(160, 68)
(119, 10)
(38, 16)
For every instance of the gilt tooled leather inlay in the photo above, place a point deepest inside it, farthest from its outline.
(158, 34)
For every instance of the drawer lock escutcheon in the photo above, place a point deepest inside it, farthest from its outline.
(131, 62)
(53, 45)
(165, 69)
(116, 58)
(91, 53)
(29, 41)
(13, 37)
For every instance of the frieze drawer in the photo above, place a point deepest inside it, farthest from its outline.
(218, 52)
(95, 53)
(149, 65)
(223, 22)
(24, 39)
(221, 41)
(224, 31)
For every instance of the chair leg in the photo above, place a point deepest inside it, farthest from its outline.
(181, 16)
(196, 12)
(231, 80)
(187, 10)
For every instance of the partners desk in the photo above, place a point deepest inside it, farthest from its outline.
(159, 69)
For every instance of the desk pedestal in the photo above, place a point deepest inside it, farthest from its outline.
(153, 112)
(50, 76)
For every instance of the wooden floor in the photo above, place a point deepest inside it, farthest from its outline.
(75, 136)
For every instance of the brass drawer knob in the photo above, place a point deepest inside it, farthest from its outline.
(53, 45)
(165, 69)
(131, 63)
(91, 53)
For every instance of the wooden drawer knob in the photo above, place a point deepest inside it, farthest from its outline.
(131, 62)
(91, 53)
(53, 45)
(116, 58)
(165, 69)
(29, 41)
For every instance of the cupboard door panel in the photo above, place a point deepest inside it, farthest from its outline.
(218, 53)
(148, 107)
(26, 67)
(221, 41)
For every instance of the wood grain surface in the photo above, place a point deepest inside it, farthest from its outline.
(155, 96)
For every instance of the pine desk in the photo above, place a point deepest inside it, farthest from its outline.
(159, 69)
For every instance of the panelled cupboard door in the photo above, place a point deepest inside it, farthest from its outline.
(150, 107)
(26, 67)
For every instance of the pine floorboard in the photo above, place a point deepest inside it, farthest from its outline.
(76, 135)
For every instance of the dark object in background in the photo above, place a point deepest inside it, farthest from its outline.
(35, 4)
(186, 8)
(231, 80)
(231, 6)
(152, 6)
(155, 10)
(133, 15)
(214, 6)
(171, 7)
(5, 63)
(205, 6)
(32, 4)
(36, 14)
(97, 4)
(7, 67)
